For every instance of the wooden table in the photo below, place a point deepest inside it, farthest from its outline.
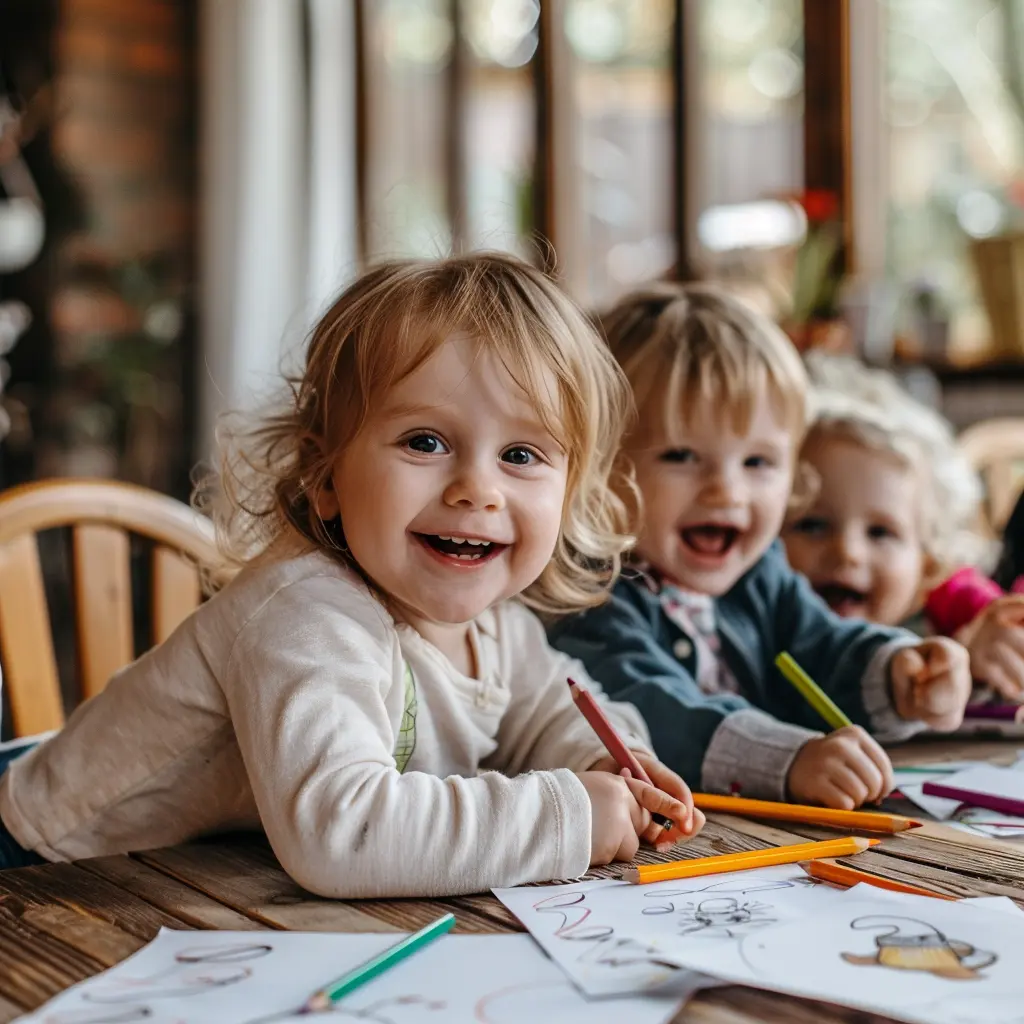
(61, 923)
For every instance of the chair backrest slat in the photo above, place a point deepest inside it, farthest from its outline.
(176, 591)
(103, 603)
(102, 515)
(26, 640)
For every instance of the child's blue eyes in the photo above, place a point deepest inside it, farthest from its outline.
(678, 455)
(811, 526)
(431, 444)
(426, 444)
(683, 456)
(518, 456)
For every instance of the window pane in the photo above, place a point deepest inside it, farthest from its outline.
(955, 113)
(409, 45)
(622, 91)
(500, 43)
(751, 105)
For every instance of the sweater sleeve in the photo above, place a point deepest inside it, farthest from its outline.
(306, 686)
(542, 728)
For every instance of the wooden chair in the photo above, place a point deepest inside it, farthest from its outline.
(995, 448)
(101, 515)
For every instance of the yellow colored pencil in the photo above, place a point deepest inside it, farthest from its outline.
(869, 821)
(698, 866)
(811, 691)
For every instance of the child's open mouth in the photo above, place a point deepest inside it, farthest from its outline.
(710, 540)
(843, 600)
(464, 550)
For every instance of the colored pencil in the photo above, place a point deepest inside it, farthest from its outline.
(840, 874)
(999, 712)
(811, 691)
(921, 770)
(698, 866)
(869, 821)
(326, 997)
(990, 801)
(606, 733)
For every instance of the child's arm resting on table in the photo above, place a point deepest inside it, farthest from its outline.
(306, 686)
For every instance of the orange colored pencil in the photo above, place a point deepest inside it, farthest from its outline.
(870, 821)
(840, 874)
(697, 866)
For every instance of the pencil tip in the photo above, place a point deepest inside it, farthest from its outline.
(630, 875)
(872, 842)
(913, 823)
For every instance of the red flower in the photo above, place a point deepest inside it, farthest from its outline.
(820, 205)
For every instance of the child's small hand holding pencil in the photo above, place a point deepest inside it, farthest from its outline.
(633, 796)
(664, 796)
(931, 682)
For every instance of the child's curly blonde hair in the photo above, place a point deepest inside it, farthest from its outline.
(870, 408)
(381, 329)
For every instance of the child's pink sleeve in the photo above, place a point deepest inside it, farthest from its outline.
(954, 603)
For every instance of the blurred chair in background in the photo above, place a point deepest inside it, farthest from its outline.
(995, 448)
(102, 515)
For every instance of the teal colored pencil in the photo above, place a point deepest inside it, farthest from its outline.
(811, 691)
(330, 994)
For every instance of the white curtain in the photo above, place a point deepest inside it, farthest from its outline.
(278, 184)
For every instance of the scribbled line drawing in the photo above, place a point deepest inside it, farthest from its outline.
(723, 917)
(129, 1015)
(195, 970)
(720, 917)
(380, 1011)
(602, 947)
(512, 1004)
(909, 944)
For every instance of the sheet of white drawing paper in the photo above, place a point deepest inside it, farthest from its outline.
(1002, 904)
(591, 929)
(914, 958)
(244, 977)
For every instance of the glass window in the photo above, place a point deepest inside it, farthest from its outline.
(954, 106)
(408, 48)
(499, 111)
(622, 94)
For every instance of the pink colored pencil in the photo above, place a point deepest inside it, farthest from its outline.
(601, 724)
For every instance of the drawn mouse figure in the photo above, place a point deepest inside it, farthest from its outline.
(907, 944)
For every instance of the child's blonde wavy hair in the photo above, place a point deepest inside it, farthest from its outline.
(381, 329)
(870, 408)
(694, 347)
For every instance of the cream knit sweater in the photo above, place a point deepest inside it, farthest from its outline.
(292, 699)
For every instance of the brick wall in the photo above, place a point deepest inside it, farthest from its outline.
(124, 135)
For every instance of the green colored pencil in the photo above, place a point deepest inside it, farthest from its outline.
(811, 691)
(330, 994)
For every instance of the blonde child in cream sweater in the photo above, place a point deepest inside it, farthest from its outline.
(373, 688)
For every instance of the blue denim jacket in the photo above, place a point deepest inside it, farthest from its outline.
(727, 742)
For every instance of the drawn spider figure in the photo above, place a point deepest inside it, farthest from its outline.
(724, 917)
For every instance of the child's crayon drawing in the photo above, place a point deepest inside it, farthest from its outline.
(907, 944)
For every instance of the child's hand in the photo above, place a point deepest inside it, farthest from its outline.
(617, 819)
(685, 825)
(843, 770)
(995, 641)
(932, 682)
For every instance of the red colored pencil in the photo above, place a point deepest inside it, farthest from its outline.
(601, 724)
